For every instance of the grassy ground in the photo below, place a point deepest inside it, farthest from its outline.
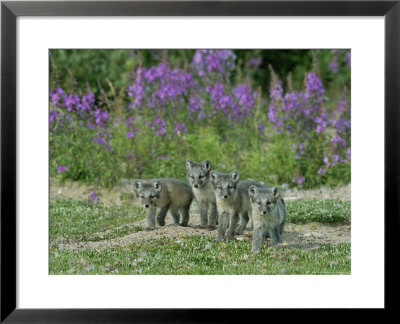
(72, 221)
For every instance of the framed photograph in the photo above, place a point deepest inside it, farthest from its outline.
(162, 160)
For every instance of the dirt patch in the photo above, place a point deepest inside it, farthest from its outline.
(304, 236)
(342, 193)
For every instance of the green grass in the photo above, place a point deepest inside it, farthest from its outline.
(201, 255)
(331, 211)
(82, 221)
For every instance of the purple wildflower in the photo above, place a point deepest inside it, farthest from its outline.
(213, 62)
(180, 128)
(61, 169)
(314, 85)
(334, 65)
(254, 62)
(348, 58)
(53, 116)
(93, 197)
(160, 126)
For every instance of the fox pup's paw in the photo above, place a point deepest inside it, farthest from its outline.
(160, 222)
(183, 224)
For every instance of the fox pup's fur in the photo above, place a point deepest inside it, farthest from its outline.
(198, 175)
(167, 194)
(268, 213)
(232, 200)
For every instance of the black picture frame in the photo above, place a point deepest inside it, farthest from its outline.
(9, 13)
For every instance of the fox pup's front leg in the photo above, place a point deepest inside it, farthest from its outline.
(212, 223)
(258, 239)
(233, 221)
(151, 218)
(276, 237)
(161, 216)
(203, 214)
(222, 225)
(244, 219)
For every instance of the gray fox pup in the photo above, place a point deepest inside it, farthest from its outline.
(167, 194)
(232, 200)
(268, 213)
(198, 175)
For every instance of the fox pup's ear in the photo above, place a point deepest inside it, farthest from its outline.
(207, 165)
(253, 192)
(137, 185)
(214, 176)
(157, 186)
(235, 176)
(275, 192)
(188, 165)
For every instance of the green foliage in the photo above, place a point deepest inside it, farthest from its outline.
(262, 154)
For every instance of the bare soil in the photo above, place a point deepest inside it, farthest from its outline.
(304, 236)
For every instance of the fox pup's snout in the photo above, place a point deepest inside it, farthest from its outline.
(263, 200)
(147, 193)
(224, 184)
(198, 173)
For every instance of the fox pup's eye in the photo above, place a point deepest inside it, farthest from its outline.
(192, 177)
(201, 176)
(219, 187)
(269, 203)
(230, 187)
(258, 202)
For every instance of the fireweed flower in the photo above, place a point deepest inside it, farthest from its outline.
(348, 154)
(53, 116)
(180, 128)
(72, 102)
(261, 127)
(195, 107)
(321, 171)
(102, 117)
(160, 126)
(348, 59)
(87, 103)
(334, 65)
(254, 62)
(61, 169)
(213, 62)
(299, 180)
(159, 86)
(335, 159)
(93, 197)
(245, 97)
(314, 85)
